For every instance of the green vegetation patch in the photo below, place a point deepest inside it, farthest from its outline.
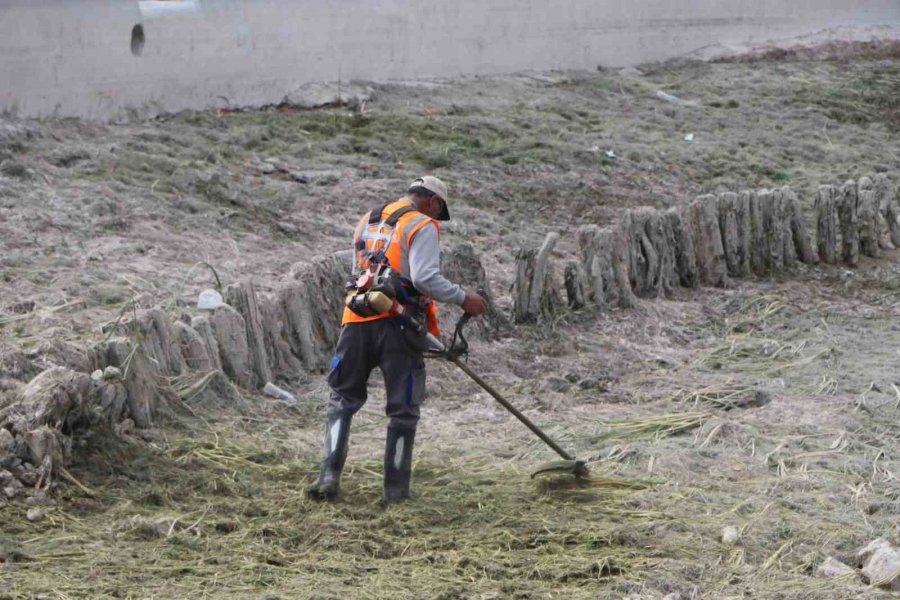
(862, 97)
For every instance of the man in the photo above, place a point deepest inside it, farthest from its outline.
(403, 234)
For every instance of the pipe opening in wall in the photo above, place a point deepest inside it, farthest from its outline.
(137, 39)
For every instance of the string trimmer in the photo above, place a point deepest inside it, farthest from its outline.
(458, 348)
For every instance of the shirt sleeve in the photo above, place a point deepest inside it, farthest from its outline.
(425, 268)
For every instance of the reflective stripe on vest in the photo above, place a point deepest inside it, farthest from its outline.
(396, 250)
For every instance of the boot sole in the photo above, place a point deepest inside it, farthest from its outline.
(321, 495)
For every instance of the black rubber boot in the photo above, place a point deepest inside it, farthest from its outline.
(337, 438)
(398, 463)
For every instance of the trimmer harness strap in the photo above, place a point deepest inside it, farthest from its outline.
(391, 221)
(378, 253)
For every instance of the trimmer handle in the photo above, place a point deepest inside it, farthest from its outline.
(459, 345)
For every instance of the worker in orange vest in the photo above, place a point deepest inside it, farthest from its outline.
(390, 307)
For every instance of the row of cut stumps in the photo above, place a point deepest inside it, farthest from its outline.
(158, 360)
(156, 363)
(651, 252)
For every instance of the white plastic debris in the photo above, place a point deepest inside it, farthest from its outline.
(667, 97)
(273, 391)
(209, 300)
(610, 154)
(730, 535)
(689, 137)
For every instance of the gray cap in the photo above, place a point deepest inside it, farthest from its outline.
(436, 187)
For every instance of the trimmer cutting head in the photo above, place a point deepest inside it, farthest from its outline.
(578, 468)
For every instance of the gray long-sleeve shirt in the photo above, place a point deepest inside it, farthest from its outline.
(425, 268)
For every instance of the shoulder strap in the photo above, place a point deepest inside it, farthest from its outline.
(375, 214)
(391, 221)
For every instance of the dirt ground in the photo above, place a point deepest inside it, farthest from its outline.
(771, 406)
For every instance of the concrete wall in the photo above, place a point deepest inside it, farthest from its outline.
(74, 58)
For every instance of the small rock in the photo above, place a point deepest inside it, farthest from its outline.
(872, 547)
(7, 441)
(730, 535)
(29, 477)
(112, 373)
(17, 475)
(97, 375)
(34, 515)
(126, 427)
(10, 461)
(555, 384)
(287, 227)
(11, 491)
(328, 178)
(150, 435)
(266, 168)
(760, 398)
(632, 72)
(142, 527)
(593, 383)
(664, 363)
(882, 569)
(39, 499)
(6, 477)
(317, 177)
(833, 568)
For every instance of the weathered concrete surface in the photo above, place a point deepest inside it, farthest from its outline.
(80, 58)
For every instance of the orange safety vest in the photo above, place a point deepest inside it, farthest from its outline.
(372, 235)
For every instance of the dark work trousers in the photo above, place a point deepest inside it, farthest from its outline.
(364, 346)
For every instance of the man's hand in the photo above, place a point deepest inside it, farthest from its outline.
(474, 304)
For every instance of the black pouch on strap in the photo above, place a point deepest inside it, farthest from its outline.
(414, 333)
